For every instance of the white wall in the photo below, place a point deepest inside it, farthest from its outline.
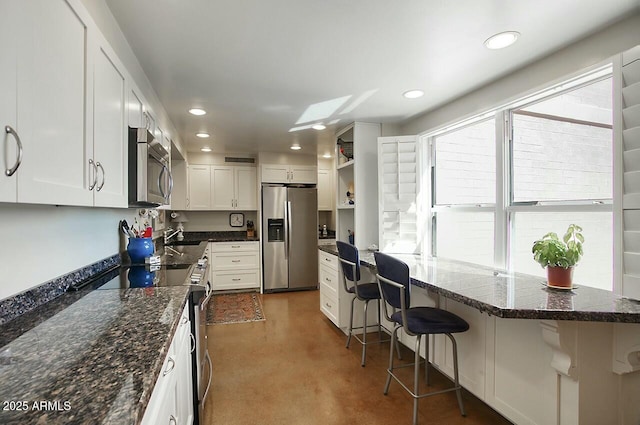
(574, 58)
(42, 242)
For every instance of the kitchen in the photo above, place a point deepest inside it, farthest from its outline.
(73, 227)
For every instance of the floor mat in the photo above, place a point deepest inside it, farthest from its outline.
(235, 308)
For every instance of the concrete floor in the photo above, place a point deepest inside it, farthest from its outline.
(294, 368)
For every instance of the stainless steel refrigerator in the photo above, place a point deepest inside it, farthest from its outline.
(289, 237)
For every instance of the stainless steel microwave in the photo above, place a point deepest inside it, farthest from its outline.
(150, 179)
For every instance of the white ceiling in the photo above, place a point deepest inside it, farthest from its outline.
(263, 69)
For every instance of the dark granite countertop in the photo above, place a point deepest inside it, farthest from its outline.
(226, 236)
(93, 355)
(511, 295)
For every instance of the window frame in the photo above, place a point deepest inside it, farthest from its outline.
(505, 208)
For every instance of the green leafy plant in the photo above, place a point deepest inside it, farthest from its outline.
(551, 251)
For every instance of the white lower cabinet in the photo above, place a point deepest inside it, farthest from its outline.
(171, 401)
(234, 265)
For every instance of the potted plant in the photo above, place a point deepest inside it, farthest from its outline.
(559, 256)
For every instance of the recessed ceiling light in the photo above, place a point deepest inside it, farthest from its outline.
(326, 155)
(197, 111)
(501, 40)
(413, 94)
(202, 135)
(206, 149)
(296, 147)
(319, 127)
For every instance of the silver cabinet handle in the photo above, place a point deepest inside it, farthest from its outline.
(193, 343)
(171, 363)
(98, 165)
(10, 171)
(206, 391)
(95, 174)
(235, 261)
(164, 169)
(236, 279)
(147, 121)
(172, 420)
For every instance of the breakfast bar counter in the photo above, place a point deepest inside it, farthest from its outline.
(510, 295)
(536, 355)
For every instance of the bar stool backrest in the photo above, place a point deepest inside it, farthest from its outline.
(391, 270)
(349, 260)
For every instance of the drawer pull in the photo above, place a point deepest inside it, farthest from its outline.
(327, 279)
(328, 305)
(327, 259)
(171, 364)
(235, 246)
(236, 279)
(235, 261)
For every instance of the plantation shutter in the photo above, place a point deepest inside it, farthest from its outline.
(398, 185)
(630, 84)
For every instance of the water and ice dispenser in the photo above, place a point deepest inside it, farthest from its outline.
(275, 229)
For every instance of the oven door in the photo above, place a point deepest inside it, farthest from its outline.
(203, 359)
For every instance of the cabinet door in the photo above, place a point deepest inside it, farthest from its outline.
(303, 174)
(52, 85)
(8, 152)
(222, 193)
(275, 173)
(136, 108)
(109, 130)
(325, 190)
(179, 193)
(246, 188)
(199, 187)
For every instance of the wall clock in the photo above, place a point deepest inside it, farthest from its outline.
(236, 219)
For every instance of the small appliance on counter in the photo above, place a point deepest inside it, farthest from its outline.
(251, 231)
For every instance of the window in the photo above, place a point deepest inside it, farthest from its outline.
(464, 192)
(557, 168)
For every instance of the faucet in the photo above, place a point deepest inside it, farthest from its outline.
(168, 235)
(168, 249)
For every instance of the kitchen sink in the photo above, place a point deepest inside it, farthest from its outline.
(183, 243)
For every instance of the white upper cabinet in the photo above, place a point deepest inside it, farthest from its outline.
(136, 107)
(246, 188)
(233, 188)
(8, 96)
(52, 82)
(279, 173)
(325, 190)
(199, 187)
(222, 190)
(109, 129)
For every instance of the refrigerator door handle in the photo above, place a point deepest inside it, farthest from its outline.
(287, 228)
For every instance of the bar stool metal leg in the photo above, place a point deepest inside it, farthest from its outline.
(426, 359)
(394, 339)
(364, 333)
(416, 379)
(455, 374)
(353, 300)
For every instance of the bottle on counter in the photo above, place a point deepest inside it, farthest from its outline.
(324, 231)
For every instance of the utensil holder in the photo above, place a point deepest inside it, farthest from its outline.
(139, 249)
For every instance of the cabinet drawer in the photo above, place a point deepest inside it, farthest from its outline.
(234, 280)
(330, 308)
(233, 246)
(328, 259)
(235, 261)
(329, 277)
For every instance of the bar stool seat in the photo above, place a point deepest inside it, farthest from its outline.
(429, 320)
(366, 291)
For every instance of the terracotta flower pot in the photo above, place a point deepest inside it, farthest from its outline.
(559, 277)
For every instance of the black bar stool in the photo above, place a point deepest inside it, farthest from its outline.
(350, 261)
(393, 281)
